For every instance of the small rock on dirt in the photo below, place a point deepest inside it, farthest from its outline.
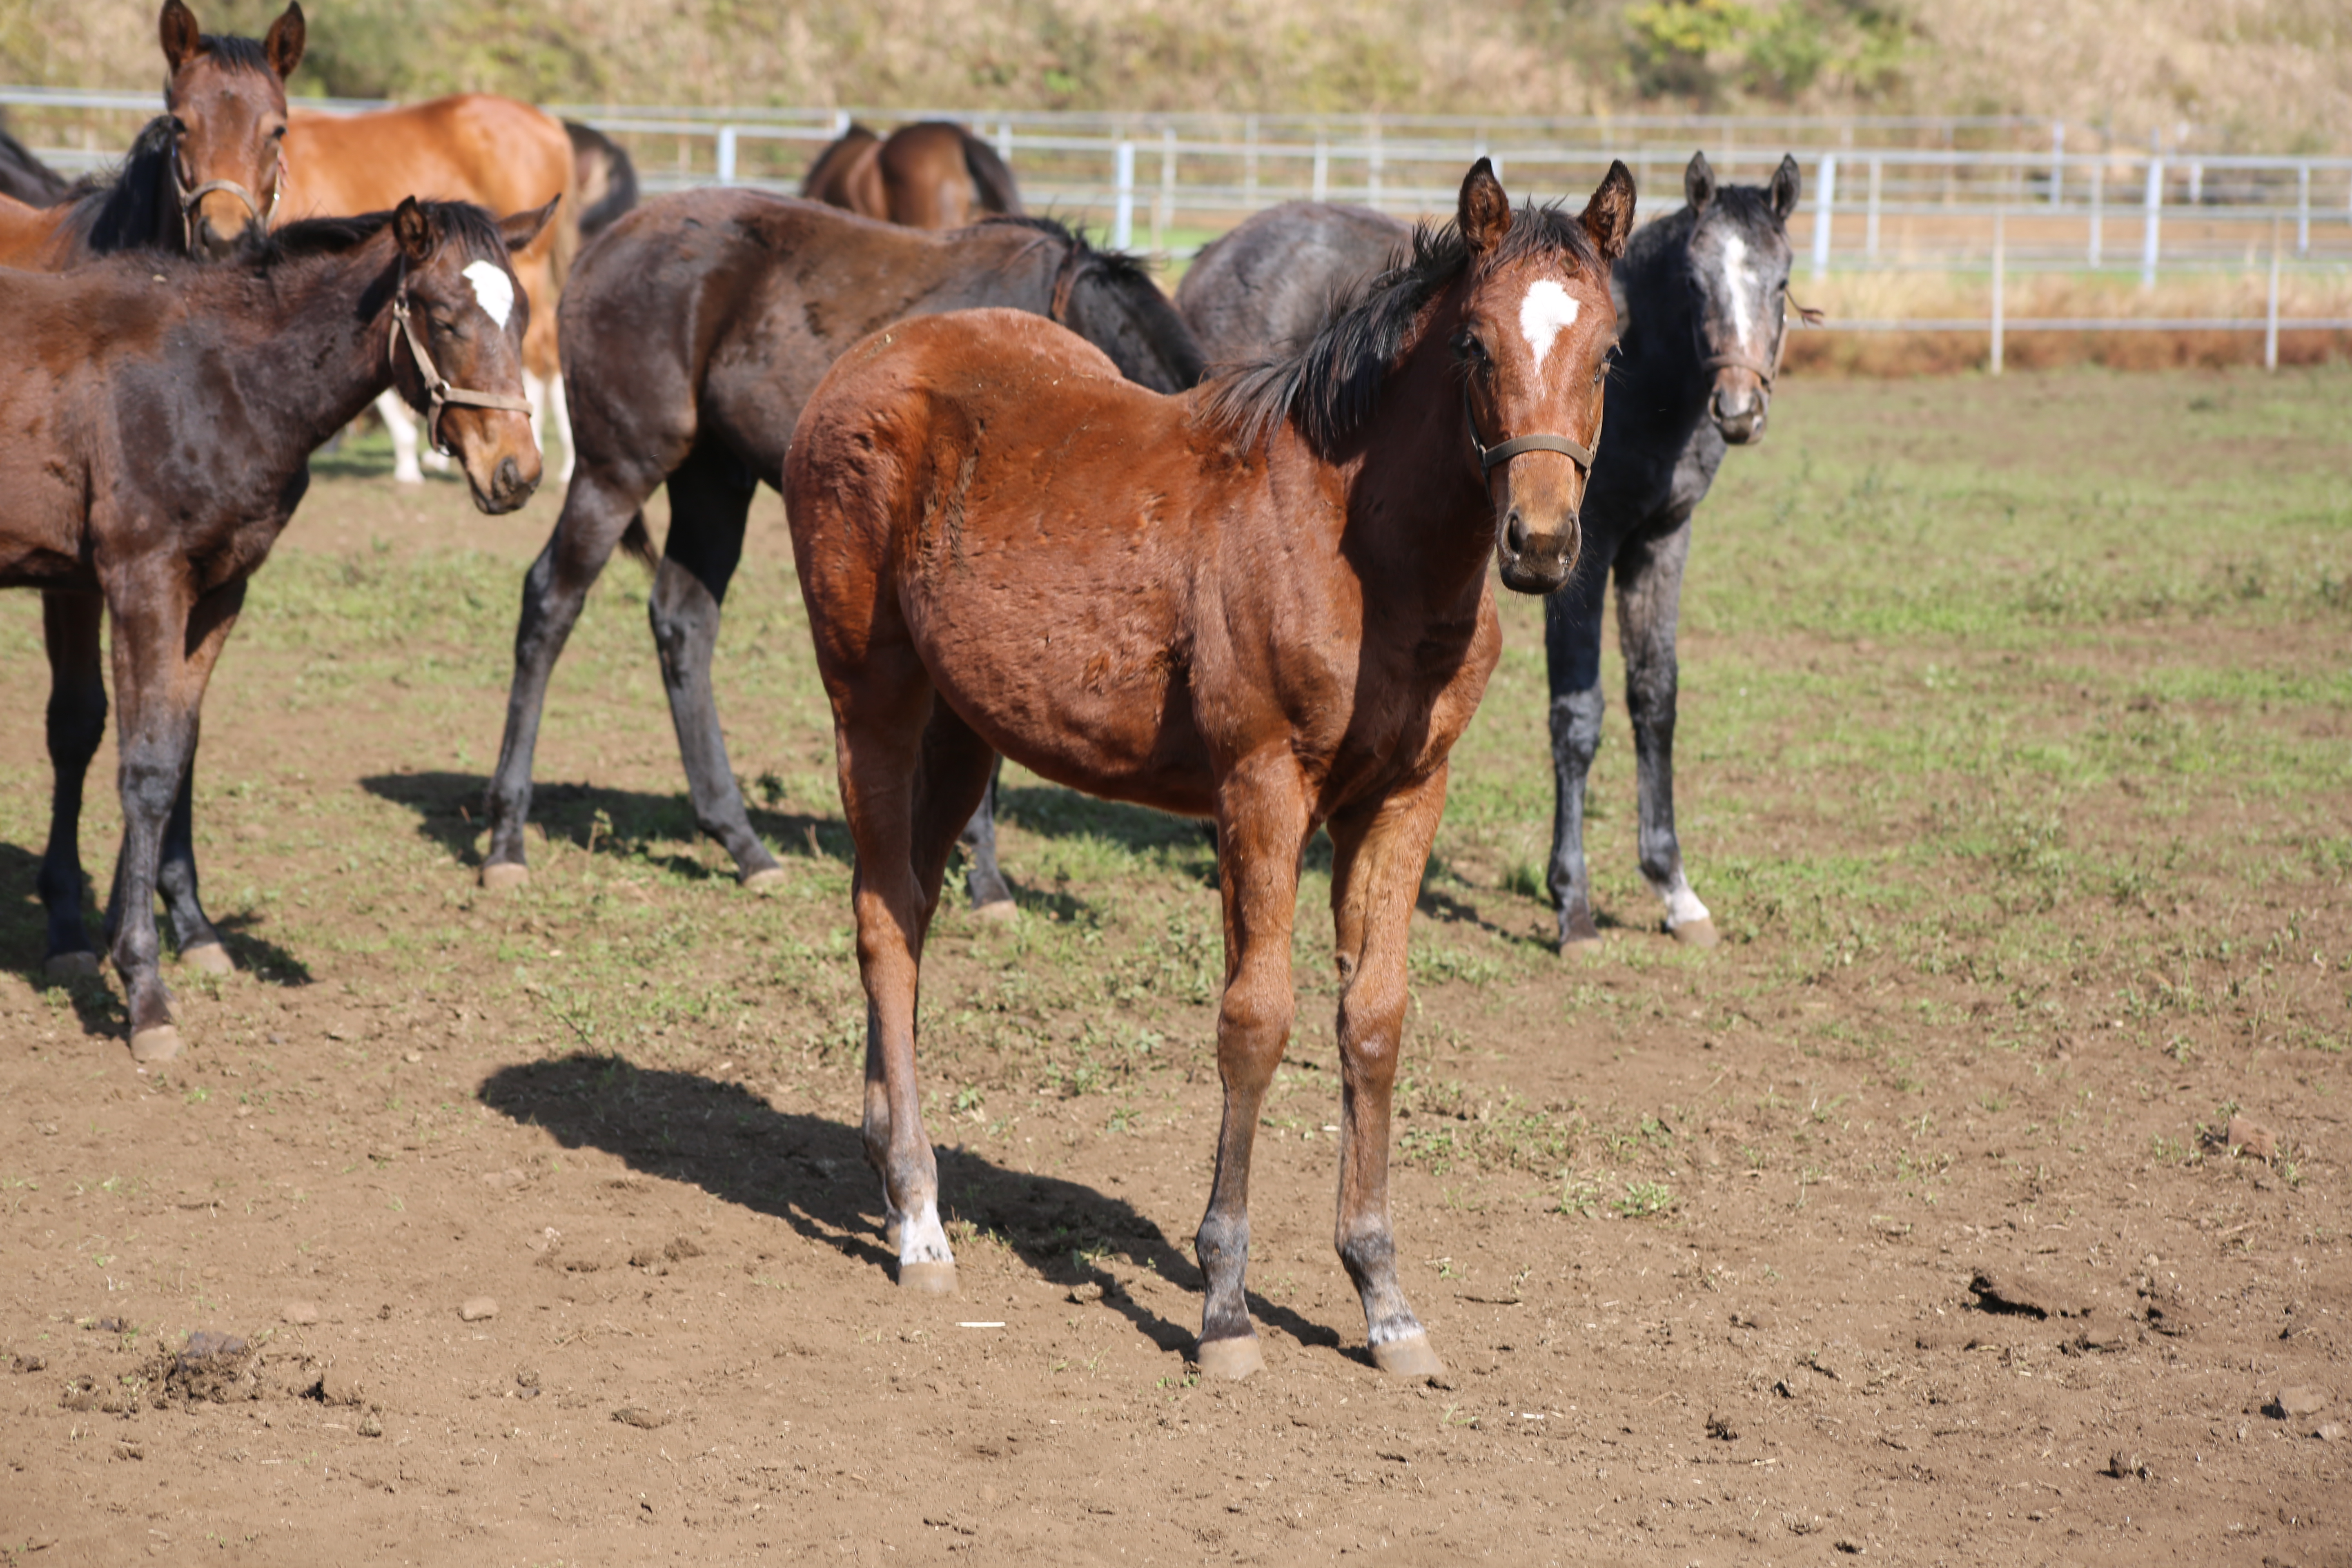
(30, 1363)
(341, 1385)
(370, 1426)
(300, 1313)
(2167, 1314)
(1087, 1291)
(2329, 1431)
(478, 1310)
(2127, 1467)
(503, 1180)
(526, 1378)
(2299, 1399)
(646, 1420)
(1721, 1429)
(1751, 1319)
(2251, 1138)
(2009, 1290)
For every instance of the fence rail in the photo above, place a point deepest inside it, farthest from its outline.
(2023, 198)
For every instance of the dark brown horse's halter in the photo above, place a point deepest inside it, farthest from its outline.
(1767, 374)
(439, 391)
(1504, 451)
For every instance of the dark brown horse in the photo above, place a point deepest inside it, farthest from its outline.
(932, 174)
(162, 415)
(693, 332)
(1266, 603)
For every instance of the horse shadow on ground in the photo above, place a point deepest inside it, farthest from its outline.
(811, 1172)
(96, 1002)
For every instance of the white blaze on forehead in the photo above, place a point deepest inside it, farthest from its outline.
(1544, 314)
(493, 290)
(1734, 284)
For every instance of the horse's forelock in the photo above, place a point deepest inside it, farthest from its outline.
(235, 53)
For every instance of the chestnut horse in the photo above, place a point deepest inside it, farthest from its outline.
(932, 174)
(162, 417)
(243, 160)
(1266, 602)
(693, 333)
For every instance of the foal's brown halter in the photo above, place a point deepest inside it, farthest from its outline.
(438, 391)
(190, 200)
(1504, 451)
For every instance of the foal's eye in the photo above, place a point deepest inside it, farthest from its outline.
(1466, 346)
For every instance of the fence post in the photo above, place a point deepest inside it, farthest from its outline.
(1122, 219)
(2302, 209)
(2000, 280)
(2270, 315)
(840, 123)
(2098, 209)
(727, 155)
(2151, 225)
(2057, 163)
(1823, 205)
(1869, 226)
(1322, 169)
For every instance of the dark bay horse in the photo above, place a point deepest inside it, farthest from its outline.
(693, 332)
(1266, 602)
(1703, 293)
(932, 174)
(162, 415)
(245, 160)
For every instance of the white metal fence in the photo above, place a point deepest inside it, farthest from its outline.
(1990, 195)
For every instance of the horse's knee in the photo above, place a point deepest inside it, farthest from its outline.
(1576, 727)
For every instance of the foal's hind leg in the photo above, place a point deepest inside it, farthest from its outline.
(1572, 658)
(597, 511)
(710, 497)
(76, 723)
(1649, 597)
(1377, 856)
(991, 898)
(1262, 816)
(909, 778)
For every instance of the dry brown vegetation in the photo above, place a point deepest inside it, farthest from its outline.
(2272, 74)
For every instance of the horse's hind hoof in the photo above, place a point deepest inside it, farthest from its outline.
(210, 957)
(1229, 1358)
(160, 1044)
(927, 1278)
(767, 879)
(64, 966)
(504, 876)
(997, 912)
(1410, 1356)
(1582, 946)
(1696, 933)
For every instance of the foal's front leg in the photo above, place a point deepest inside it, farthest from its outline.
(1262, 823)
(1649, 597)
(158, 689)
(1572, 662)
(76, 723)
(1378, 855)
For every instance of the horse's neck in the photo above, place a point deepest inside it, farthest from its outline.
(322, 358)
(1423, 525)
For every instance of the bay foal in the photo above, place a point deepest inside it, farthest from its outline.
(161, 417)
(1267, 603)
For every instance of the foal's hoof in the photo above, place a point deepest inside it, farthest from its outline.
(1581, 946)
(159, 1044)
(997, 911)
(1233, 1358)
(927, 1278)
(1696, 933)
(210, 957)
(504, 876)
(1408, 1357)
(70, 967)
(767, 879)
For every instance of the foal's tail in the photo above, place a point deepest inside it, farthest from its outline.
(636, 542)
(990, 177)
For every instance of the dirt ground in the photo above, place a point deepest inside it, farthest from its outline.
(1981, 1200)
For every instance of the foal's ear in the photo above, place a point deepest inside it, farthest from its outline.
(1484, 213)
(414, 228)
(1787, 186)
(1609, 215)
(1698, 183)
(183, 38)
(523, 227)
(283, 47)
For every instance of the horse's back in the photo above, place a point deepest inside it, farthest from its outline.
(474, 147)
(1268, 284)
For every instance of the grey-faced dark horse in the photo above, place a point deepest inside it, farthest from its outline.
(693, 331)
(1702, 295)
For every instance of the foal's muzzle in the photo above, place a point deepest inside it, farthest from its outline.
(1739, 411)
(1537, 562)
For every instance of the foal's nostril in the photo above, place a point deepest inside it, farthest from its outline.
(508, 478)
(1515, 534)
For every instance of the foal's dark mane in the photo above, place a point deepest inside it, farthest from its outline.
(127, 209)
(461, 222)
(233, 53)
(1113, 264)
(1330, 386)
(1124, 275)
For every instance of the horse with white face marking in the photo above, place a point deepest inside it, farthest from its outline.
(1704, 292)
(1705, 295)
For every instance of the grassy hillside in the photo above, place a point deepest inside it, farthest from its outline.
(2271, 74)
